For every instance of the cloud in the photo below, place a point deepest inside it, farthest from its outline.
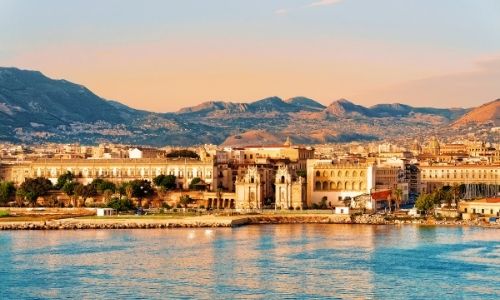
(285, 11)
(323, 3)
(282, 11)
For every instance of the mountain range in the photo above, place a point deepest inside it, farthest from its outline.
(36, 109)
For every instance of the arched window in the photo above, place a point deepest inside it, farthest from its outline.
(318, 173)
(346, 173)
(325, 185)
(317, 186)
(339, 185)
(332, 186)
(361, 173)
(354, 174)
(332, 173)
(345, 185)
(282, 179)
(325, 174)
(339, 174)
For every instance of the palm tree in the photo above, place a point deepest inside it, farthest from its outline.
(397, 194)
(455, 190)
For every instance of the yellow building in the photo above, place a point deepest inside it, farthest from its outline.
(435, 176)
(115, 170)
(332, 182)
(488, 207)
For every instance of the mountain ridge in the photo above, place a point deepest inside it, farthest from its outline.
(35, 108)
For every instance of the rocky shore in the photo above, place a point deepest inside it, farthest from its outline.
(222, 221)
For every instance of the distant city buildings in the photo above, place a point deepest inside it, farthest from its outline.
(278, 176)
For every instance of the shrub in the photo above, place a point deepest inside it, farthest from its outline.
(121, 204)
(4, 213)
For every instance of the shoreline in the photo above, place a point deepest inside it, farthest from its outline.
(210, 221)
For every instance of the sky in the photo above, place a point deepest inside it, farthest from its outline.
(165, 55)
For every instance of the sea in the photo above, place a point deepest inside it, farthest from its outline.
(299, 261)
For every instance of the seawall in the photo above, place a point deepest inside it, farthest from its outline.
(131, 222)
(188, 222)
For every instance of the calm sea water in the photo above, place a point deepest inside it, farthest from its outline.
(272, 261)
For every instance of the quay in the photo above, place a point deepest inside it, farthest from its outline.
(204, 221)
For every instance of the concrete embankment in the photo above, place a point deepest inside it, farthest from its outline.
(188, 222)
(317, 219)
(123, 223)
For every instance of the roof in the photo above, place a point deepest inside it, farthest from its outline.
(381, 195)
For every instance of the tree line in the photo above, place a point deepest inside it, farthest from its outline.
(115, 196)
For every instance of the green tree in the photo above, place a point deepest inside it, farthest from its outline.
(32, 188)
(425, 202)
(7, 191)
(100, 185)
(63, 179)
(455, 191)
(69, 188)
(167, 182)
(141, 188)
(397, 195)
(121, 204)
(185, 153)
(193, 185)
(302, 173)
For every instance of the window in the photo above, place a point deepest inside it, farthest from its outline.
(325, 185)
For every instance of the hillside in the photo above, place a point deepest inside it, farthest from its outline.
(486, 113)
(35, 108)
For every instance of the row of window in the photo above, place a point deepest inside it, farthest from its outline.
(483, 211)
(333, 186)
(461, 171)
(339, 174)
(484, 176)
(123, 172)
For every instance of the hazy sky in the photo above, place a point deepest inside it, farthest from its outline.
(164, 55)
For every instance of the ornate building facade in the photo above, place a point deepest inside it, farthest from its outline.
(250, 190)
(290, 191)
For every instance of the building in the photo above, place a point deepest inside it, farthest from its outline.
(433, 147)
(141, 152)
(115, 170)
(487, 207)
(435, 176)
(296, 156)
(290, 190)
(332, 182)
(250, 190)
(102, 212)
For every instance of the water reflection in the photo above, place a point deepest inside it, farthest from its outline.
(294, 261)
